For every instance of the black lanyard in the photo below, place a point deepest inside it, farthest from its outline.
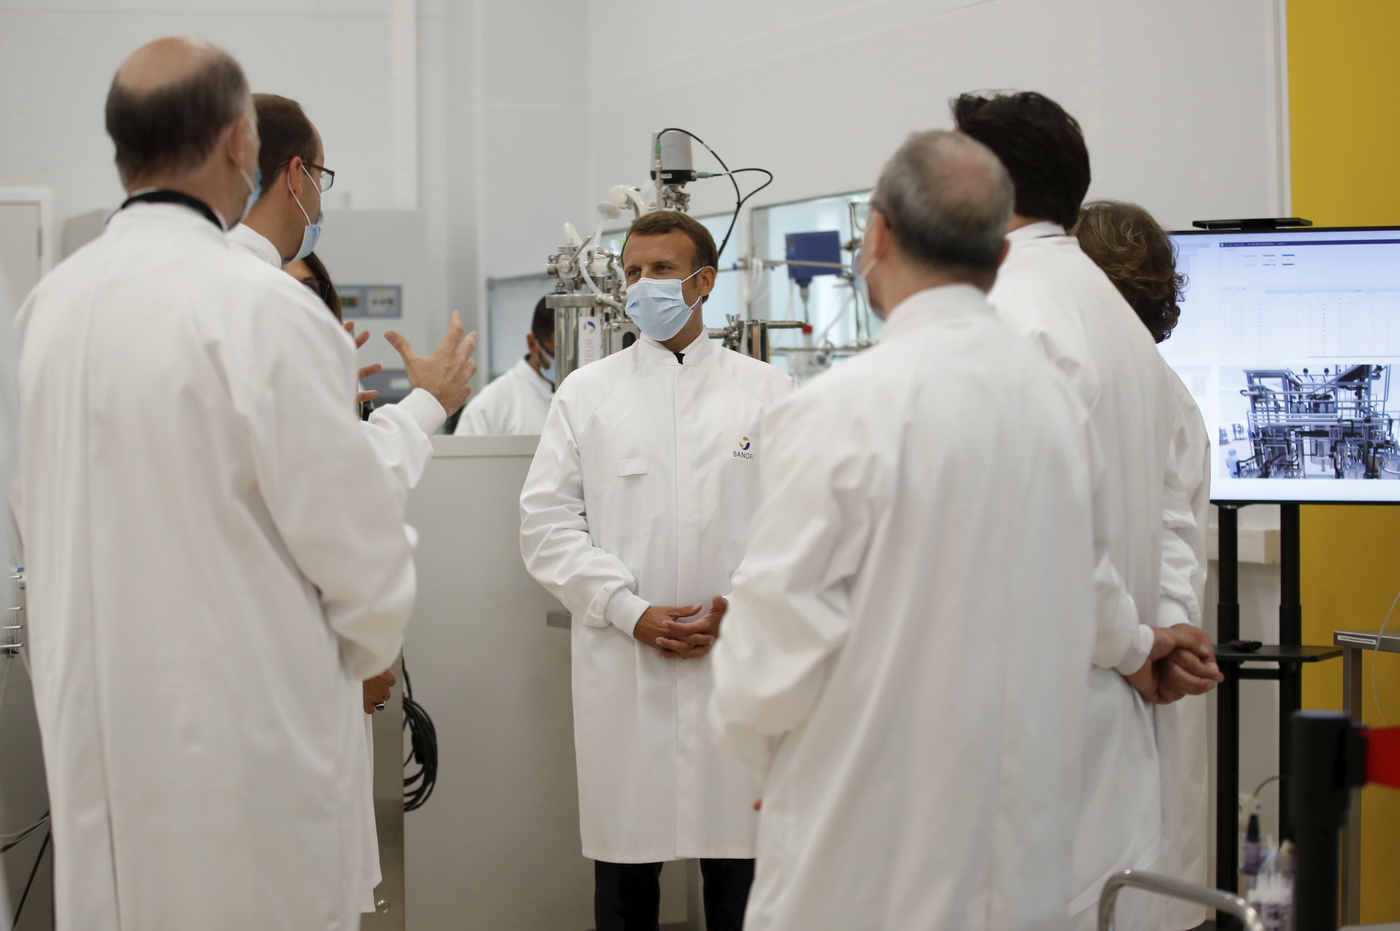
(175, 197)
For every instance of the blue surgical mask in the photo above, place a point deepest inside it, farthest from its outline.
(858, 277)
(254, 192)
(547, 370)
(658, 307)
(312, 232)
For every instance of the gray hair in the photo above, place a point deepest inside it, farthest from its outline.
(947, 200)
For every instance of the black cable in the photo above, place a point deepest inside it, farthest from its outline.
(422, 749)
(739, 199)
(23, 835)
(32, 873)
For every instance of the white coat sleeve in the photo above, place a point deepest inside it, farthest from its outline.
(1186, 510)
(791, 608)
(400, 435)
(1121, 640)
(558, 551)
(323, 487)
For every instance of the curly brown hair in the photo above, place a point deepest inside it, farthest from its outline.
(1137, 255)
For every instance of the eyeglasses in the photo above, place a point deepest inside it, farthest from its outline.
(322, 175)
(321, 289)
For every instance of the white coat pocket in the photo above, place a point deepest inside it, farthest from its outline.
(633, 467)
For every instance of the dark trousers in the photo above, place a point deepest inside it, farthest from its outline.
(627, 896)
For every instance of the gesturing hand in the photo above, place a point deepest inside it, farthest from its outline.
(693, 639)
(651, 626)
(365, 370)
(447, 372)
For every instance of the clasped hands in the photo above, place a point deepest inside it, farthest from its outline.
(674, 637)
(1181, 663)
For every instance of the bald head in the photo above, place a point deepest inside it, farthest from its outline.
(168, 105)
(946, 200)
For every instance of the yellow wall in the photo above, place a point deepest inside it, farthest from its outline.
(1344, 99)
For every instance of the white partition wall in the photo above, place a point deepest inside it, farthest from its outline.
(497, 845)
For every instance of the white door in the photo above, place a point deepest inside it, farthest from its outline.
(21, 244)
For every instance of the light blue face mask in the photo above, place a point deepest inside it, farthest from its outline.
(254, 192)
(547, 370)
(312, 232)
(858, 277)
(658, 307)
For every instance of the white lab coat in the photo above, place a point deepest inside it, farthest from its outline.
(515, 404)
(399, 434)
(905, 649)
(216, 561)
(641, 493)
(1049, 290)
(1181, 726)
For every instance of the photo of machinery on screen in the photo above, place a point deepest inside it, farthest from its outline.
(1332, 422)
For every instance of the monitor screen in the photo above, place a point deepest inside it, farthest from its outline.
(1289, 341)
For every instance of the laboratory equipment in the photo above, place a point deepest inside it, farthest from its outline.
(810, 255)
(1222, 902)
(590, 292)
(385, 288)
(816, 240)
(1287, 341)
(1328, 425)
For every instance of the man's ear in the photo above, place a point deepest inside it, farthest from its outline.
(878, 230)
(705, 281)
(295, 176)
(532, 344)
(233, 140)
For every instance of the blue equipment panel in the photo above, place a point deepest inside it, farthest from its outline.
(823, 246)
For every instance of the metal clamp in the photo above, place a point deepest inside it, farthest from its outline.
(1175, 889)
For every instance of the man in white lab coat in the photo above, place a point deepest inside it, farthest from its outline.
(216, 557)
(905, 653)
(634, 514)
(1050, 291)
(278, 230)
(516, 403)
(1137, 256)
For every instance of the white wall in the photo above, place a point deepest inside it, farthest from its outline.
(1177, 100)
(527, 111)
(57, 59)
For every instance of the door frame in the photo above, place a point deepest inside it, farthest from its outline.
(43, 196)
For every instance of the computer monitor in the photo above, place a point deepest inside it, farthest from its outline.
(1290, 343)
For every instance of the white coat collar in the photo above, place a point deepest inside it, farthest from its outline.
(1042, 229)
(256, 243)
(164, 215)
(698, 351)
(525, 371)
(934, 304)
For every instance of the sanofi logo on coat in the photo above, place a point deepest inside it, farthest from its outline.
(743, 451)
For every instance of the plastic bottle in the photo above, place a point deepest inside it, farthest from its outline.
(1272, 899)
